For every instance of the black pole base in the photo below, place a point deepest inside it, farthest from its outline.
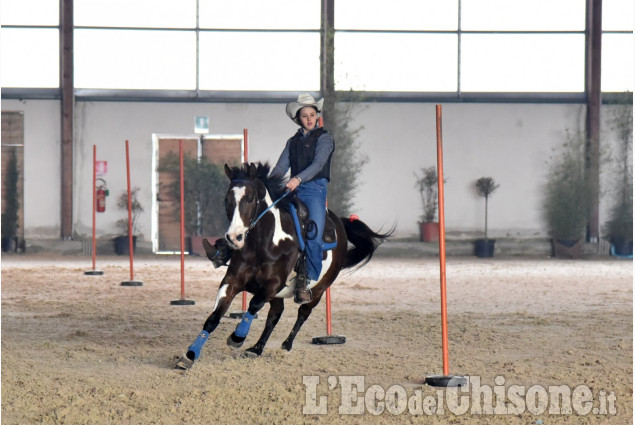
(446, 380)
(94, 272)
(329, 340)
(240, 314)
(182, 302)
(132, 283)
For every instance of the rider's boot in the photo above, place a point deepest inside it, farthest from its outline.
(219, 254)
(302, 292)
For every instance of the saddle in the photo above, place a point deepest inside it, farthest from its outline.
(304, 226)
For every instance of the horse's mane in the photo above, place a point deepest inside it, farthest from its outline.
(275, 185)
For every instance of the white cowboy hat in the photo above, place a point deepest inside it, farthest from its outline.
(305, 99)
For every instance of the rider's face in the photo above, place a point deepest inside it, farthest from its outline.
(308, 117)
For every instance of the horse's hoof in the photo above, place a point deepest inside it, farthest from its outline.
(250, 354)
(235, 341)
(287, 346)
(184, 363)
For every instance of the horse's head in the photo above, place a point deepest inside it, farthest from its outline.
(244, 197)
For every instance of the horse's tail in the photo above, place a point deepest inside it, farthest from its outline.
(364, 239)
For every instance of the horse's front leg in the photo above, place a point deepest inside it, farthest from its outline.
(224, 298)
(275, 312)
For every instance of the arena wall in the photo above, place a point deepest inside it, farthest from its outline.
(509, 142)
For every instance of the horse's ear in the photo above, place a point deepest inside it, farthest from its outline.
(228, 172)
(253, 170)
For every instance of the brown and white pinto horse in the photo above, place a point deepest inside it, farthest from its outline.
(263, 237)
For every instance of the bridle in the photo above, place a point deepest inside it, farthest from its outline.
(254, 219)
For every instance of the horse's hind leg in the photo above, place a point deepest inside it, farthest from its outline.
(303, 313)
(275, 312)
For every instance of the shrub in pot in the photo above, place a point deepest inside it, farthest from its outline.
(567, 198)
(12, 206)
(485, 186)
(122, 243)
(427, 185)
(619, 227)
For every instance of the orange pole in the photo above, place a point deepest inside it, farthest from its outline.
(328, 311)
(182, 221)
(245, 159)
(444, 312)
(130, 236)
(94, 203)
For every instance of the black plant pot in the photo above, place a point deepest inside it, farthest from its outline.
(122, 245)
(9, 244)
(484, 248)
(622, 248)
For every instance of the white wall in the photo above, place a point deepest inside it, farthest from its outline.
(509, 142)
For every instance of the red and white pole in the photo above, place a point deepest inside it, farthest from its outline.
(329, 338)
(130, 282)
(182, 300)
(94, 272)
(445, 380)
(245, 159)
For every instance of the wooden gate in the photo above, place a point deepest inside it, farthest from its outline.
(217, 149)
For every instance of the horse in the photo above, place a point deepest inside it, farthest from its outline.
(265, 247)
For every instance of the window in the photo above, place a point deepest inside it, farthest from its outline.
(135, 59)
(260, 61)
(30, 57)
(411, 46)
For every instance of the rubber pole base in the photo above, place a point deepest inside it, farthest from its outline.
(182, 302)
(94, 272)
(132, 283)
(446, 380)
(240, 314)
(329, 340)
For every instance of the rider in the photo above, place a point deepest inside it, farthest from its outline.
(308, 154)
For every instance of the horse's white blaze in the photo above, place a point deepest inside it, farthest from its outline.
(289, 290)
(222, 292)
(278, 233)
(237, 226)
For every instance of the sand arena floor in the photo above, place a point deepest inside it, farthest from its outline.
(82, 349)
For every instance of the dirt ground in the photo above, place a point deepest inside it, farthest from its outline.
(80, 349)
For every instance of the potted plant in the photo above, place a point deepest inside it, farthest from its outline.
(485, 186)
(427, 184)
(619, 227)
(205, 185)
(567, 199)
(12, 206)
(122, 243)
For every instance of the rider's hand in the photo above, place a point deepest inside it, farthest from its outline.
(293, 183)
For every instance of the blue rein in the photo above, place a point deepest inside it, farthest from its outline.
(253, 223)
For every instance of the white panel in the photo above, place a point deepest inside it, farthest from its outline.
(395, 62)
(522, 63)
(29, 12)
(30, 58)
(259, 61)
(258, 14)
(396, 14)
(525, 15)
(617, 62)
(129, 59)
(135, 13)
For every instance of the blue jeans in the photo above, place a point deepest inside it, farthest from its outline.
(313, 195)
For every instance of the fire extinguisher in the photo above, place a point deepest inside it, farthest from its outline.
(100, 199)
